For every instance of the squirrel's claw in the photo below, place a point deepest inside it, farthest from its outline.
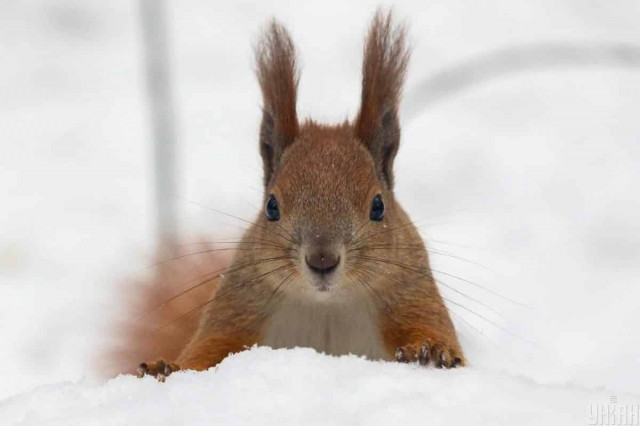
(142, 370)
(159, 369)
(429, 352)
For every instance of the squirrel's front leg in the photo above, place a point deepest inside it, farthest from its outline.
(203, 352)
(430, 352)
(418, 329)
(225, 328)
(159, 369)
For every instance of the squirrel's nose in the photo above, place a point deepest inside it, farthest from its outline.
(322, 261)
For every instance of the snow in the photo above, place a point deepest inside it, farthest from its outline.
(526, 185)
(300, 386)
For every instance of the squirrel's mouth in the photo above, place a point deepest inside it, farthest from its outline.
(323, 286)
(324, 279)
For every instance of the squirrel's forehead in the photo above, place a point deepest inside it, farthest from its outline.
(333, 169)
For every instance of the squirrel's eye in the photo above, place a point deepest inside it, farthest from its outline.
(377, 208)
(273, 213)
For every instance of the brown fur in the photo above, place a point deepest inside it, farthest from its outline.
(324, 179)
(149, 328)
(278, 77)
(386, 58)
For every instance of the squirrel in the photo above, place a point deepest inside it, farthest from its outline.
(332, 262)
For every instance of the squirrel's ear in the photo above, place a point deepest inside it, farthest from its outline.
(383, 70)
(278, 77)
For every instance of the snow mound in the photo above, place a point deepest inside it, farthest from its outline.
(300, 386)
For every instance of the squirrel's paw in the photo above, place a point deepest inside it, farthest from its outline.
(430, 352)
(159, 369)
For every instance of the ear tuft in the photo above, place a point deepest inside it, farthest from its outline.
(278, 77)
(386, 58)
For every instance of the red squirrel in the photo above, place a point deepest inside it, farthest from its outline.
(332, 261)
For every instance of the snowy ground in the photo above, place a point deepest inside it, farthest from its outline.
(532, 176)
(300, 386)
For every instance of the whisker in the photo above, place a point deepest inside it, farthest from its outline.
(439, 252)
(506, 330)
(493, 292)
(219, 295)
(239, 218)
(368, 287)
(515, 302)
(463, 307)
(474, 328)
(366, 268)
(417, 247)
(401, 226)
(431, 240)
(211, 276)
(261, 212)
(371, 235)
(430, 276)
(254, 241)
(360, 227)
(283, 283)
(182, 256)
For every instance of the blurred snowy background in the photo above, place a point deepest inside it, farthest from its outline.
(526, 184)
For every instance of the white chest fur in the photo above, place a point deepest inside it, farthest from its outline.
(335, 327)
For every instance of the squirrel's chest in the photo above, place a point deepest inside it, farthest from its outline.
(336, 329)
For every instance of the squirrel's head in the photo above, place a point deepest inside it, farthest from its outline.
(330, 188)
